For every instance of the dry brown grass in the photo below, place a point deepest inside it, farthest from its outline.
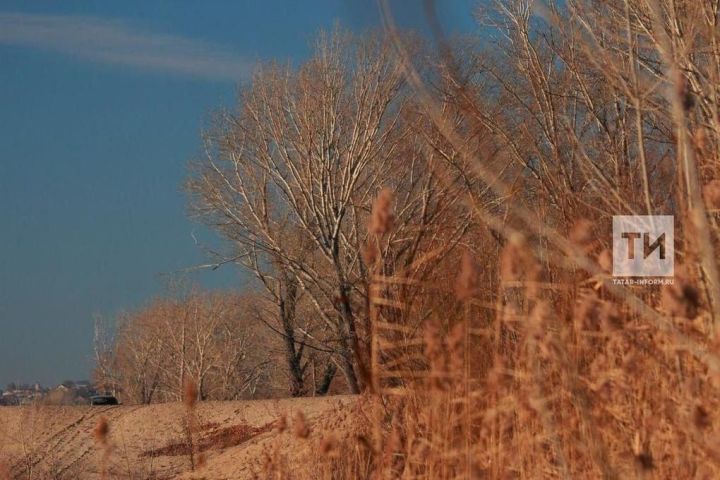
(562, 381)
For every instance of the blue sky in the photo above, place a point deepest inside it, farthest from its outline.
(101, 108)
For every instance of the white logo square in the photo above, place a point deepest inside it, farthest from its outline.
(643, 245)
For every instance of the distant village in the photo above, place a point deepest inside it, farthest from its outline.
(69, 392)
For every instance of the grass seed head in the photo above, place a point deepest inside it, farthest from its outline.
(190, 394)
(101, 431)
(300, 427)
(281, 424)
(382, 217)
(328, 444)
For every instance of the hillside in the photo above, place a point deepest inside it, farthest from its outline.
(149, 442)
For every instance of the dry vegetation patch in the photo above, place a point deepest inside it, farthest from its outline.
(212, 438)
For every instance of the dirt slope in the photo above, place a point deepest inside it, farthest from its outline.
(149, 442)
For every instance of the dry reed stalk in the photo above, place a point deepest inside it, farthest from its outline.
(190, 399)
(545, 397)
(101, 433)
(679, 98)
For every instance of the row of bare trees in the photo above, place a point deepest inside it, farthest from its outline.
(210, 339)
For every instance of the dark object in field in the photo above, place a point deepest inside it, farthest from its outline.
(104, 400)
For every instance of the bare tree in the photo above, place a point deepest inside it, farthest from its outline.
(138, 357)
(303, 151)
(104, 372)
(207, 338)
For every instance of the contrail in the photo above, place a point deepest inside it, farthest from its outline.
(114, 42)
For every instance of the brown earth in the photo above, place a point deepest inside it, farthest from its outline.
(231, 440)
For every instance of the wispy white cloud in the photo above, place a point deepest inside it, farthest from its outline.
(108, 41)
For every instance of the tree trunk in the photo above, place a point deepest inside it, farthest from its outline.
(348, 342)
(327, 379)
(292, 354)
(297, 383)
